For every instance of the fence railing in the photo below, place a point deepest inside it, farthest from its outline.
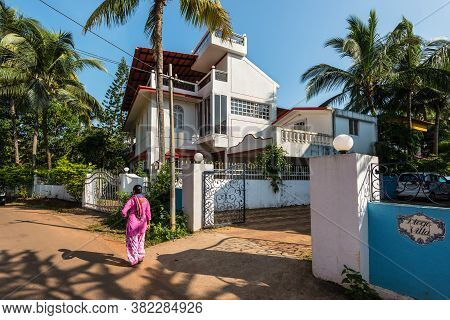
(252, 171)
(404, 183)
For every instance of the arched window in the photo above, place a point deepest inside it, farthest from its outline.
(178, 115)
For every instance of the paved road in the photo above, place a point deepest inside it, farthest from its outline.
(48, 255)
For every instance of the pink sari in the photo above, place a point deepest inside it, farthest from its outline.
(137, 209)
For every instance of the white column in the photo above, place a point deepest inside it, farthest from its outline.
(339, 192)
(128, 180)
(193, 193)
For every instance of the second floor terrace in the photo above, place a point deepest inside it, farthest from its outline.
(188, 81)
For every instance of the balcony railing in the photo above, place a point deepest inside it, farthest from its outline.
(183, 85)
(221, 76)
(234, 38)
(299, 136)
(206, 79)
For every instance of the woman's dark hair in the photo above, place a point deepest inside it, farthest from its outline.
(137, 189)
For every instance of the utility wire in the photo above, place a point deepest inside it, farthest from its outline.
(94, 33)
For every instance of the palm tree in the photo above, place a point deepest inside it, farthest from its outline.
(207, 13)
(420, 72)
(11, 22)
(42, 66)
(434, 94)
(359, 82)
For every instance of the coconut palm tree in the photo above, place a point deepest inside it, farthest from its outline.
(418, 67)
(207, 13)
(42, 66)
(358, 83)
(12, 22)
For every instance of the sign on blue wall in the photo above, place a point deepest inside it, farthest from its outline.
(409, 249)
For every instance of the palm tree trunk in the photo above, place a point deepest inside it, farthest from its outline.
(12, 112)
(409, 111)
(45, 136)
(35, 139)
(436, 131)
(159, 56)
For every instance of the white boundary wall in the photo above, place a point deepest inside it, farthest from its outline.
(51, 192)
(259, 194)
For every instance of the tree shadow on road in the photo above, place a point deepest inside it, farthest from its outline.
(210, 273)
(24, 275)
(242, 276)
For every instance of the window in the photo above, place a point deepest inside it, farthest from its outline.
(178, 117)
(204, 117)
(353, 127)
(250, 109)
(220, 114)
(301, 125)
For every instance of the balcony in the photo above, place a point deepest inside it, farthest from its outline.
(214, 140)
(191, 88)
(212, 48)
(299, 143)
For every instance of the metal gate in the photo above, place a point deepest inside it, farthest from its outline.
(223, 197)
(101, 191)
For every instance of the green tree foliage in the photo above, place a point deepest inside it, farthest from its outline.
(400, 75)
(70, 175)
(38, 67)
(99, 147)
(113, 117)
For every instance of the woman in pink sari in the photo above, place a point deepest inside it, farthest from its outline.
(137, 212)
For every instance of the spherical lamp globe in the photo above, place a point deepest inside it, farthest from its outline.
(343, 143)
(198, 157)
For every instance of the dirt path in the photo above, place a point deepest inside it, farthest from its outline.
(48, 255)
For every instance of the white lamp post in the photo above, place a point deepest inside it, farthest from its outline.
(343, 143)
(198, 157)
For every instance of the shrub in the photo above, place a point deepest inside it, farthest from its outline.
(71, 175)
(159, 197)
(14, 177)
(356, 287)
(273, 162)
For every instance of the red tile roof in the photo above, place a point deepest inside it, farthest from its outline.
(281, 115)
(143, 63)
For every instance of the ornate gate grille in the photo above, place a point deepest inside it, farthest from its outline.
(223, 197)
(101, 192)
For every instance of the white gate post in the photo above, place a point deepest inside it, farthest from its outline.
(193, 193)
(340, 191)
(128, 180)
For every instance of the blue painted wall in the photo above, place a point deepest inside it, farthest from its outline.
(421, 271)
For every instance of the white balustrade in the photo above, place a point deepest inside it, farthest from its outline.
(299, 136)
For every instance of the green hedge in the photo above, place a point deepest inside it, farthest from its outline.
(12, 177)
(70, 175)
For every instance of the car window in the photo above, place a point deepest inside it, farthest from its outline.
(409, 177)
(431, 178)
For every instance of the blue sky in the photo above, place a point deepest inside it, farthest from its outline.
(285, 37)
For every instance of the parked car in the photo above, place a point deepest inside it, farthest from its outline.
(425, 185)
(441, 190)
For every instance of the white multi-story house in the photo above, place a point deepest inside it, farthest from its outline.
(225, 107)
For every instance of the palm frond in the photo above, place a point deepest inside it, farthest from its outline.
(209, 13)
(111, 12)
